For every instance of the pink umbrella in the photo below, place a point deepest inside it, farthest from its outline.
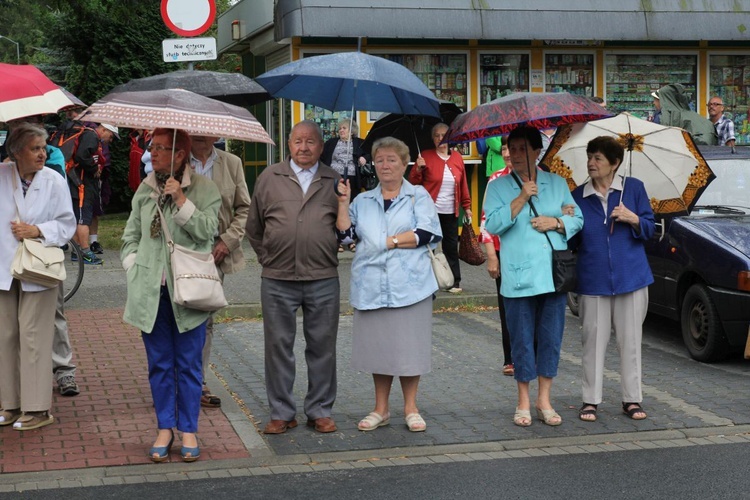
(26, 91)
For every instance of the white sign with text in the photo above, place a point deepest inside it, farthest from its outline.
(189, 49)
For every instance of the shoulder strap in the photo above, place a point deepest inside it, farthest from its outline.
(533, 208)
(164, 227)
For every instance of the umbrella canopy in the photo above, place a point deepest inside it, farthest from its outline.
(351, 80)
(26, 91)
(177, 109)
(665, 158)
(541, 110)
(414, 130)
(77, 103)
(232, 88)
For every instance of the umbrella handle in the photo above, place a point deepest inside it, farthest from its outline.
(336, 183)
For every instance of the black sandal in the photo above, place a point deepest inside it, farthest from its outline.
(587, 409)
(632, 409)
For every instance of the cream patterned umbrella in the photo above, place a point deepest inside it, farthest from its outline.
(177, 109)
(665, 159)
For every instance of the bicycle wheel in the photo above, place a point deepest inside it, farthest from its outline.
(73, 270)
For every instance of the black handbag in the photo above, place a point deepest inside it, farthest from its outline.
(368, 176)
(564, 274)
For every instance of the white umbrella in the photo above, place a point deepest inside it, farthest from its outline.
(665, 158)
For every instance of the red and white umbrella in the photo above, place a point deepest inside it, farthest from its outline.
(26, 91)
(176, 109)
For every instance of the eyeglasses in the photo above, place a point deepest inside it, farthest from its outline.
(710, 104)
(159, 149)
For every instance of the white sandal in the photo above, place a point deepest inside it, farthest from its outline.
(415, 422)
(373, 421)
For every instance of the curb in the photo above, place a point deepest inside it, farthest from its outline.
(442, 300)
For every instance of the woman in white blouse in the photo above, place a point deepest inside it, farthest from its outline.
(34, 203)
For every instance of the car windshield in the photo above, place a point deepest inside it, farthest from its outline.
(730, 191)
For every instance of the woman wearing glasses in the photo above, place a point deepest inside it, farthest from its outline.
(173, 335)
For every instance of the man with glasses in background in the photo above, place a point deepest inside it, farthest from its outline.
(724, 126)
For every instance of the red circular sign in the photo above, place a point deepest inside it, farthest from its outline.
(188, 17)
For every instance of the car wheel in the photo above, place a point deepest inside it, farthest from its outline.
(573, 303)
(701, 328)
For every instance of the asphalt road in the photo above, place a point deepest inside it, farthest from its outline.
(696, 472)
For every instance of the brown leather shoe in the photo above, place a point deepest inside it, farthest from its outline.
(279, 426)
(324, 425)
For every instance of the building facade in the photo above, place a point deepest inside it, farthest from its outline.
(473, 51)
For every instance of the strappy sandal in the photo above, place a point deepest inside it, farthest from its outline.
(33, 420)
(522, 418)
(508, 370)
(587, 410)
(8, 417)
(352, 247)
(373, 421)
(549, 417)
(415, 422)
(341, 249)
(633, 409)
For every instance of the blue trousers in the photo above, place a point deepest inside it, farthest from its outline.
(174, 369)
(540, 316)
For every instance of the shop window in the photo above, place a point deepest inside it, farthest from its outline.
(502, 74)
(572, 73)
(328, 120)
(445, 75)
(630, 79)
(730, 80)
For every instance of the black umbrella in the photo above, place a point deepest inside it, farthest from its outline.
(414, 130)
(232, 88)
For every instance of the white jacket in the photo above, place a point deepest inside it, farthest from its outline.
(47, 205)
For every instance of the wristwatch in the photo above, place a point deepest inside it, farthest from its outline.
(558, 223)
(395, 242)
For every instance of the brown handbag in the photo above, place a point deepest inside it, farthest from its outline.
(469, 249)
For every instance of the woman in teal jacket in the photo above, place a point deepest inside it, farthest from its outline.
(532, 307)
(173, 335)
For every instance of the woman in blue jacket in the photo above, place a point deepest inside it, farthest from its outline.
(392, 281)
(613, 274)
(532, 307)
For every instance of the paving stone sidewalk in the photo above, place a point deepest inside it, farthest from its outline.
(112, 421)
(466, 399)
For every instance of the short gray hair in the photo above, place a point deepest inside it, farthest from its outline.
(308, 123)
(354, 131)
(437, 126)
(21, 135)
(401, 149)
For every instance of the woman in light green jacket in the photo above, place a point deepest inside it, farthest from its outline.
(173, 335)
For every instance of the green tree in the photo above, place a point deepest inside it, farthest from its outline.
(91, 46)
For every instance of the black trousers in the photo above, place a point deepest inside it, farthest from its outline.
(507, 357)
(449, 227)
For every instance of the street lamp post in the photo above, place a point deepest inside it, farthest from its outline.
(18, 50)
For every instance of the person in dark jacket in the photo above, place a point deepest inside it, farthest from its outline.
(613, 274)
(344, 154)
